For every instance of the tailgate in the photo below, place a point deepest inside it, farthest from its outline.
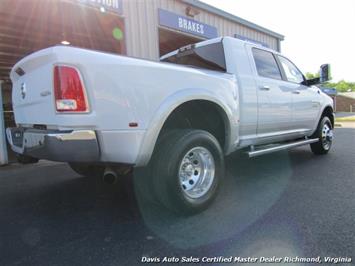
(32, 88)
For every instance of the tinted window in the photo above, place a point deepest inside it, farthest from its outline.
(291, 71)
(210, 56)
(266, 64)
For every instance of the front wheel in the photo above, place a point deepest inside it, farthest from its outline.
(325, 134)
(188, 166)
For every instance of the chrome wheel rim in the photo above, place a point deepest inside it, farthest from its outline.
(196, 172)
(327, 136)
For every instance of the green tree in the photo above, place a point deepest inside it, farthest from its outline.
(341, 86)
(310, 75)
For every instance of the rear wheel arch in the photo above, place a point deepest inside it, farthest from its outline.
(157, 124)
(199, 114)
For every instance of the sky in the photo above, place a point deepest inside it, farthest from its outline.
(316, 31)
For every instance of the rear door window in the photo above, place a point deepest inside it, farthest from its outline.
(266, 64)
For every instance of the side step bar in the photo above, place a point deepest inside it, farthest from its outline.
(255, 153)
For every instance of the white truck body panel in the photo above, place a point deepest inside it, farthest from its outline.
(123, 90)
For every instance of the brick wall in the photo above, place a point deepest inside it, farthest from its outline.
(343, 104)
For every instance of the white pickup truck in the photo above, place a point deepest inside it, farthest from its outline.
(178, 118)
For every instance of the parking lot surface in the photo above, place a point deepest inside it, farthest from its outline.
(284, 204)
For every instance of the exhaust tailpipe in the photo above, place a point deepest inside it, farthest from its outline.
(110, 176)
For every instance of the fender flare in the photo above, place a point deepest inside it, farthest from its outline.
(320, 116)
(170, 103)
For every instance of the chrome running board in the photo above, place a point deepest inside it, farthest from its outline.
(280, 147)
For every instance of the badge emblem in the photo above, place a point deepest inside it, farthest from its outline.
(23, 90)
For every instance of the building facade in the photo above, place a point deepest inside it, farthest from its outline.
(345, 102)
(139, 28)
(175, 22)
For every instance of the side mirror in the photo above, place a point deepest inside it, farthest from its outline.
(324, 73)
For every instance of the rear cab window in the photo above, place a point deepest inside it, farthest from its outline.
(210, 56)
(266, 64)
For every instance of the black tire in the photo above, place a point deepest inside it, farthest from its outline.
(166, 164)
(24, 159)
(324, 144)
(143, 178)
(88, 170)
(143, 185)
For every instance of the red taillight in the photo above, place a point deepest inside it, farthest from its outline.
(69, 90)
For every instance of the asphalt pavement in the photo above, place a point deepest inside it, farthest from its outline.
(289, 203)
(344, 114)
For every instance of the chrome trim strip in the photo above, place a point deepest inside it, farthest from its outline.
(75, 135)
(256, 153)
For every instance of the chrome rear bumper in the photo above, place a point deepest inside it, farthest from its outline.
(63, 146)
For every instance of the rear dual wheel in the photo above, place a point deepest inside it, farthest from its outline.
(186, 169)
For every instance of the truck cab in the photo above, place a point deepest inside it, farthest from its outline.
(276, 103)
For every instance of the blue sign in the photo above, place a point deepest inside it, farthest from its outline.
(243, 38)
(185, 24)
(107, 5)
(329, 91)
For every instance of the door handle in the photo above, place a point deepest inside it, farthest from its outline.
(296, 92)
(265, 88)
